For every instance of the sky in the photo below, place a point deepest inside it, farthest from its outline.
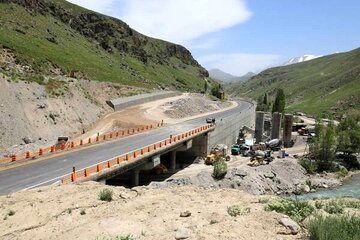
(239, 36)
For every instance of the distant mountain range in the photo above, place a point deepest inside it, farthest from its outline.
(304, 58)
(224, 77)
(324, 86)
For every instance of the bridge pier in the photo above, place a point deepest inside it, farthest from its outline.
(173, 160)
(135, 178)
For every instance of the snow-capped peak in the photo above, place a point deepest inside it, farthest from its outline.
(304, 58)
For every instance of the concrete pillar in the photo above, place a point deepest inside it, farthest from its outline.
(288, 122)
(275, 125)
(259, 126)
(173, 160)
(135, 178)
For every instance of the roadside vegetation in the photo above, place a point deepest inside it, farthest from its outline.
(334, 148)
(220, 169)
(346, 227)
(106, 195)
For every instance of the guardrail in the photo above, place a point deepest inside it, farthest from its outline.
(85, 173)
(41, 152)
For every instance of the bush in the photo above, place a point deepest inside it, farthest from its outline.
(334, 228)
(237, 210)
(319, 204)
(297, 210)
(220, 169)
(334, 207)
(342, 172)
(263, 200)
(82, 212)
(11, 213)
(309, 165)
(106, 195)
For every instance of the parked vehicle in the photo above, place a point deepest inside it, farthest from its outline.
(235, 149)
(210, 120)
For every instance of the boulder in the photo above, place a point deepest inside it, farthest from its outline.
(185, 214)
(290, 224)
(182, 233)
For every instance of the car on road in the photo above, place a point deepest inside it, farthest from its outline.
(210, 120)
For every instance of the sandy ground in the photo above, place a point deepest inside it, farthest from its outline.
(146, 213)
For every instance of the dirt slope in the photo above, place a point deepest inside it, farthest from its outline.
(146, 213)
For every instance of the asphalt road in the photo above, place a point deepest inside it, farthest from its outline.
(52, 170)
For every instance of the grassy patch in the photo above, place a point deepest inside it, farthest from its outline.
(237, 210)
(106, 195)
(297, 210)
(334, 228)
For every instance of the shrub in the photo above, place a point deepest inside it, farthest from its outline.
(334, 228)
(106, 195)
(220, 169)
(263, 200)
(342, 172)
(309, 165)
(11, 213)
(297, 210)
(319, 204)
(334, 207)
(82, 212)
(237, 210)
(213, 222)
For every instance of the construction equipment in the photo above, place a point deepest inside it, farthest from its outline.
(235, 149)
(260, 158)
(274, 144)
(216, 153)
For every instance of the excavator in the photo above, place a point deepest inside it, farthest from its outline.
(216, 153)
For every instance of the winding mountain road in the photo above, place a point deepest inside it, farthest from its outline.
(53, 169)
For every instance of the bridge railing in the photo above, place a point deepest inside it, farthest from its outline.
(86, 173)
(70, 145)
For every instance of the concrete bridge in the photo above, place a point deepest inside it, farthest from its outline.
(133, 153)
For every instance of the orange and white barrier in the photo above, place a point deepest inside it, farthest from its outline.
(83, 142)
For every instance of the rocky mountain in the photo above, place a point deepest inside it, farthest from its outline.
(224, 77)
(303, 58)
(328, 85)
(220, 75)
(48, 35)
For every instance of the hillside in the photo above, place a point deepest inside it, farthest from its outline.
(48, 35)
(328, 85)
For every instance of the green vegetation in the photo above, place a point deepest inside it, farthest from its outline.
(263, 104)
(237, 210)
(263, 200)
(11, 213)
(213, 222)
(120, 237)
(297, 210)
(82, 212)
(334, 228)
(106, 195)
(326, 86)
(220, 169)
(279, 103)
(93, 46)
(330, 140)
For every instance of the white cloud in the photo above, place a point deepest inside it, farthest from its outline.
(102, 6)
(240, 63)
(185, 20)
(204, 44)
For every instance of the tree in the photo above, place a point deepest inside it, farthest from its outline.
(349, 139)
(279, 104)
(262, 103)
(265, 101)
(324, 146)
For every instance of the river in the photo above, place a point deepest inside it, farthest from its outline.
(350, 188)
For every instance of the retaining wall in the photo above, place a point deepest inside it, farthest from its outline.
(227, 130)
(121, 103)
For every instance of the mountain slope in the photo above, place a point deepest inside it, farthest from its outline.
(220, 75)
(49, 34)
(326, 85)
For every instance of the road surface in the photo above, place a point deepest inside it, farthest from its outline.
(52, 170)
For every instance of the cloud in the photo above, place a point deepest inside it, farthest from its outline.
(185, 20)
(204, 44)
(239, 64)
(102, 6)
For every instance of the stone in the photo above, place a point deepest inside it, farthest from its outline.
(269, 175)
(28, 140)
(305, 188)
(240, 172)
(185, 214)
(290, 224)
(182, 233)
